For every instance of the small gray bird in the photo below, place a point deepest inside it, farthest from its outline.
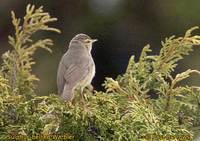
(76, 68)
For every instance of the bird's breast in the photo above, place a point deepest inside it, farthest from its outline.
(92, 69)
(91, 72)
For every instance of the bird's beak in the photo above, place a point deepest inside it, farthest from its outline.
(94, 40)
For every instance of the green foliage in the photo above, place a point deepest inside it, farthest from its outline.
(123, 112)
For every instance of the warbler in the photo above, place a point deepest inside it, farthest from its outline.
(76, 68)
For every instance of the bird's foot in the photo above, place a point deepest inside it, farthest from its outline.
(83, 99)
(69, 104)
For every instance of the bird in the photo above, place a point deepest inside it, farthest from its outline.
(76, 68)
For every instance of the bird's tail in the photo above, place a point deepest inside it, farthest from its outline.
(67, 94)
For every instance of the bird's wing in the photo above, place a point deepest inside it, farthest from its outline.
(76, 72)
(72, 69)
(60, 78)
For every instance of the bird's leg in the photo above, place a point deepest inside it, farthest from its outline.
(82, 95)
(83, 98)
(69, 103)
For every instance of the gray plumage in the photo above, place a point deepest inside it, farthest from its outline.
(76, 68)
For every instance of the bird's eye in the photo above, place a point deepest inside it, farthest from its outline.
(87, 41)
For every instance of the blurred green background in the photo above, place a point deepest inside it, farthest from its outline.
(122, 28)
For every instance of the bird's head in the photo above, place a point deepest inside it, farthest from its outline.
(86, 40)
